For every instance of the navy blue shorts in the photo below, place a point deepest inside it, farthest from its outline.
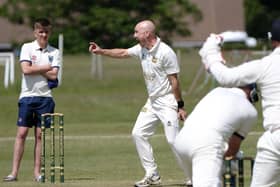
(31, 109)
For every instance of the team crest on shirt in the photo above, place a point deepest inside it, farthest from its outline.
(154, 59)
(33, 58)
(50, 58)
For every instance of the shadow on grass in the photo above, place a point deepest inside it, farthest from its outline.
(81, 179)
(173, 185)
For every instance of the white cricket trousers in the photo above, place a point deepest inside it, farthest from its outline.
(164, 110)
(202, 152)
(266, 172)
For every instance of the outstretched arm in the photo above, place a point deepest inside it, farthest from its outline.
(114, 53)
(241, 75)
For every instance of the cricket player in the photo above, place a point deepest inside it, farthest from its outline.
(164, 104)
(266, 73)
(223, 115)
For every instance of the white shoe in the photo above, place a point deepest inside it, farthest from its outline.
(38, 179)
(154, 179)
(10, 178)
(188, 183)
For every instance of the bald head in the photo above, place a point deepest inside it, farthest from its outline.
(144, 33)
(147, 25)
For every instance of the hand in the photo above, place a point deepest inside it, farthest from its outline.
(213, 39)
(93, 47)
(211, 45)
(45, 67)
(182, 114)
(211, 50)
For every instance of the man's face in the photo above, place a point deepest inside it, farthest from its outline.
(140, 35)
(42, 35)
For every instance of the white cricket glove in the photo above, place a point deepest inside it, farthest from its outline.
(211, 51)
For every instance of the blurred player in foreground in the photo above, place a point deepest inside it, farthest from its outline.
(39, 64)
(266, 73)
(165, 104)
(223, 115)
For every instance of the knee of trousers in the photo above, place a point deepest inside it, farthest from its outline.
(136, 134)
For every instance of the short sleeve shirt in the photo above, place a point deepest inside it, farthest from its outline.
(37, 85)
(157, 63)
(224, 110)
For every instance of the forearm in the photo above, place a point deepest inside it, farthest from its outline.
(114, 53)
(236, 76)
(234, 145)
(52, 74)
(177, 92)
(213, 60)
(33, 69)
(175, 87)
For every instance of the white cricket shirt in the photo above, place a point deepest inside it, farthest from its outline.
(225, 111)
(266, 73)
(37, 85)
(157, 63)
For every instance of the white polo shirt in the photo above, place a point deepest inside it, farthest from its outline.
(37, 85)
(266, 73)
(157, 63)
(224, 111)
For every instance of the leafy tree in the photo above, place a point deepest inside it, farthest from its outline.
(259, 16)
(108, 22)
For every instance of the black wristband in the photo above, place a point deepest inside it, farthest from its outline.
(239, 135)
(181, 104)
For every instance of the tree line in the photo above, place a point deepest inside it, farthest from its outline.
(110, 22)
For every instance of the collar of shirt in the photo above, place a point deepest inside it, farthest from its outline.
(37, 47)
(154, 48)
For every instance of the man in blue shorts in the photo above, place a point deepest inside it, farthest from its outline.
(39, 64)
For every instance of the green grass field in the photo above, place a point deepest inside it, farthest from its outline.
(99, 116)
